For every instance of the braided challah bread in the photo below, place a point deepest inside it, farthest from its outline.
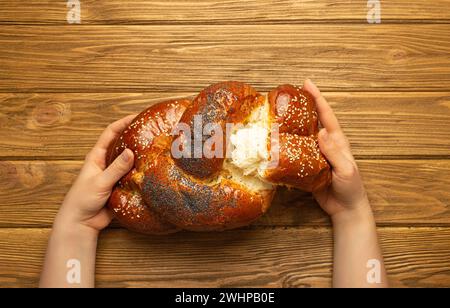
(214, 162)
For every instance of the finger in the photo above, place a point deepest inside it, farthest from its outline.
(326, 114)
(113, 131)
(335, 154)
(102, 219)
(342, 142)
(105, 215)
(118, 168)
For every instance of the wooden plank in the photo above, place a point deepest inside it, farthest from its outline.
(402, 192)
(415, 257)
(187, 58)
(65, 126)
(219, 12)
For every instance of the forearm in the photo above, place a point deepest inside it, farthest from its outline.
(70, 258)
(358, 260)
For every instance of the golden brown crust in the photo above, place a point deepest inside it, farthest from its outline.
(301, 164)
(145, 133)
(132, 213)
(144, 137)
(198, 205)
(294, 110)
(158, 197)
(164, 195)
(222, 103)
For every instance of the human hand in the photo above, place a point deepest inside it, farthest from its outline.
(83, 215)
(346, 193)
(83, 205)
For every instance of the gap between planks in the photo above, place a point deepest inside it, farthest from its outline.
(357, 157)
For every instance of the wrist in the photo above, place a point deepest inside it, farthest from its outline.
(360, 213)
(69, 227)
(70, 242)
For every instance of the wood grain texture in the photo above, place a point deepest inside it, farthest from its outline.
(401, 193)
(220, 12)
(389, 84)
(171, 59)
(66, 125)
(415, 257)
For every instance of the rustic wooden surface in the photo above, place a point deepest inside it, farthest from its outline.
(171, 58)
(389, 83)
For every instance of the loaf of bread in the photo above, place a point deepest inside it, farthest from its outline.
(213, 162)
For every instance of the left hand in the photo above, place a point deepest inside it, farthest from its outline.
(84, 204)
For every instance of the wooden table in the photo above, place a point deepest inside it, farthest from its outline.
(61, 84)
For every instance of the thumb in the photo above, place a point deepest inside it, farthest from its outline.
(119, 167)
(333, 153)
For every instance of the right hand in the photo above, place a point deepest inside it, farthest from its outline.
(346, 192)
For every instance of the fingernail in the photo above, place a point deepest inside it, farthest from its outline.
(126, 155)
